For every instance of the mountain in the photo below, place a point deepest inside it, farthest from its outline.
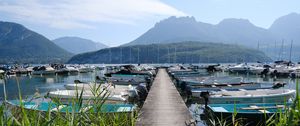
(242, 31)
(183, 52)
(274, 41)
(176, 29)
(19, 44)
(173, 29)
(287, 27)
(78, 45)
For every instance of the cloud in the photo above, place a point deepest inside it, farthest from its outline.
(68, 14)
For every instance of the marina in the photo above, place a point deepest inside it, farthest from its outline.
(160, 95)
(149, 63)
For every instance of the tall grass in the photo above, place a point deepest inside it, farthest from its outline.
(94, 116)
(289, 117)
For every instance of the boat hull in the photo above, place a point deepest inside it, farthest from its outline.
(45, 106)
(256, 113)
(254, 96)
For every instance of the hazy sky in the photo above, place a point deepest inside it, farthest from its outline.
(115, 22)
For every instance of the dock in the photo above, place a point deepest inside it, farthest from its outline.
(164, 106)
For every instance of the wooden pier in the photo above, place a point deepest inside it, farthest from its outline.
(164, 105)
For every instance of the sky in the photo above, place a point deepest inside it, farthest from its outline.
(116, 22)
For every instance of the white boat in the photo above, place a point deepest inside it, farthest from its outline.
(43, 70)
(115, 89)
(72, 70)
(66, 96)
(2, 71)
(248, 96)
(256, 69)
(211, 80)
(240, 68)
(84, 69)
(234, 86)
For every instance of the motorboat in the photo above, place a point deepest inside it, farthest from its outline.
(43, 70)
(88, 96)
(253, 112)
(115, 89)
(46, 106)
(239, 96)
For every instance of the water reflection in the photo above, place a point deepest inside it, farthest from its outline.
(29, 84)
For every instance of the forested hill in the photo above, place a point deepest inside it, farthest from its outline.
(183, 52)
(21, 45)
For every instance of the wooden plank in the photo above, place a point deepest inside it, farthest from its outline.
(164, 105)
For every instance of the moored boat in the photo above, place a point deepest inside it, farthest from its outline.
(233, 86)
(43, 70)
(67, 96)
(45, 106)
(115, 89)
(252, 111)
(211, 80)
(245, 96)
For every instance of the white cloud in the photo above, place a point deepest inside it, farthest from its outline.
(81, 13)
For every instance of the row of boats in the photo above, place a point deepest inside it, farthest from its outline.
(51, 69)
(119, 90)
(276, 69)
(226, 95)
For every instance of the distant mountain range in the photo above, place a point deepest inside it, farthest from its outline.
(287, 27)
(183, 52)
(78, 45)
(237, 31)
(21, 45)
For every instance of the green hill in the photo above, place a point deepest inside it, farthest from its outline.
(183, 52)
(21, 45)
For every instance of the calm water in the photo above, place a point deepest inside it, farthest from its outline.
(43, 84)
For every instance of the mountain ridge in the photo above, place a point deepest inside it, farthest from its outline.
(78, 45)
(229, 30)
(19, 44)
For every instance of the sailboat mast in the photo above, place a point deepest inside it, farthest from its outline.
(274, 51)
(175, 55)
(157, 53)
(169, 55)
(138, 54)
(121, 55)
(110, 55)
(281, 50)
(130, 55)
(291, 50)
